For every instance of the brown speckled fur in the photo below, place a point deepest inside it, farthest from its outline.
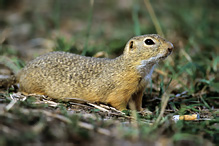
(63, 75)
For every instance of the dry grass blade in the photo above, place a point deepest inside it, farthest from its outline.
(153, 17)
(19, 96)
(76, 100)
(112, 108)
(187, 56)
(11, 104)
(101, 54)
(164, 101)
(49, 103)
(134, 114)
(79, 104)
(14, 98)
(99, 107)
(160, 72)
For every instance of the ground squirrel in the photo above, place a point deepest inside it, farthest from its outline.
(116, 81)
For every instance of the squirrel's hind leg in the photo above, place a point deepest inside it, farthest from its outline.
(118, 101)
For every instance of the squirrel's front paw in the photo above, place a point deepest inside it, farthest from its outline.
(145, 112)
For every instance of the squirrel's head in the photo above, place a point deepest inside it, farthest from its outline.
(150, 47)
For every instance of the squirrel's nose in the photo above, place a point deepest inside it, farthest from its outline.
(170, 47)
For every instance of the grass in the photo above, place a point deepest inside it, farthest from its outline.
(185, 83)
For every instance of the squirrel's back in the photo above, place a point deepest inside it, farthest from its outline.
(65, 73)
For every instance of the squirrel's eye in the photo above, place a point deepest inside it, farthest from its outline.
(149, 42)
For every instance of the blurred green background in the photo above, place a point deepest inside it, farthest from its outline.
(110, 24)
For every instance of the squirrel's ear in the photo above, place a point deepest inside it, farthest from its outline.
(132, 46)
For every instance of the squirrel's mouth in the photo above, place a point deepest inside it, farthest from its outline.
(168, 52)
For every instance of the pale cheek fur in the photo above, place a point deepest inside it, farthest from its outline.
(146, 67)
(145, 63)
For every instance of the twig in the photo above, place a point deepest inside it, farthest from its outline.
(11, 104)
